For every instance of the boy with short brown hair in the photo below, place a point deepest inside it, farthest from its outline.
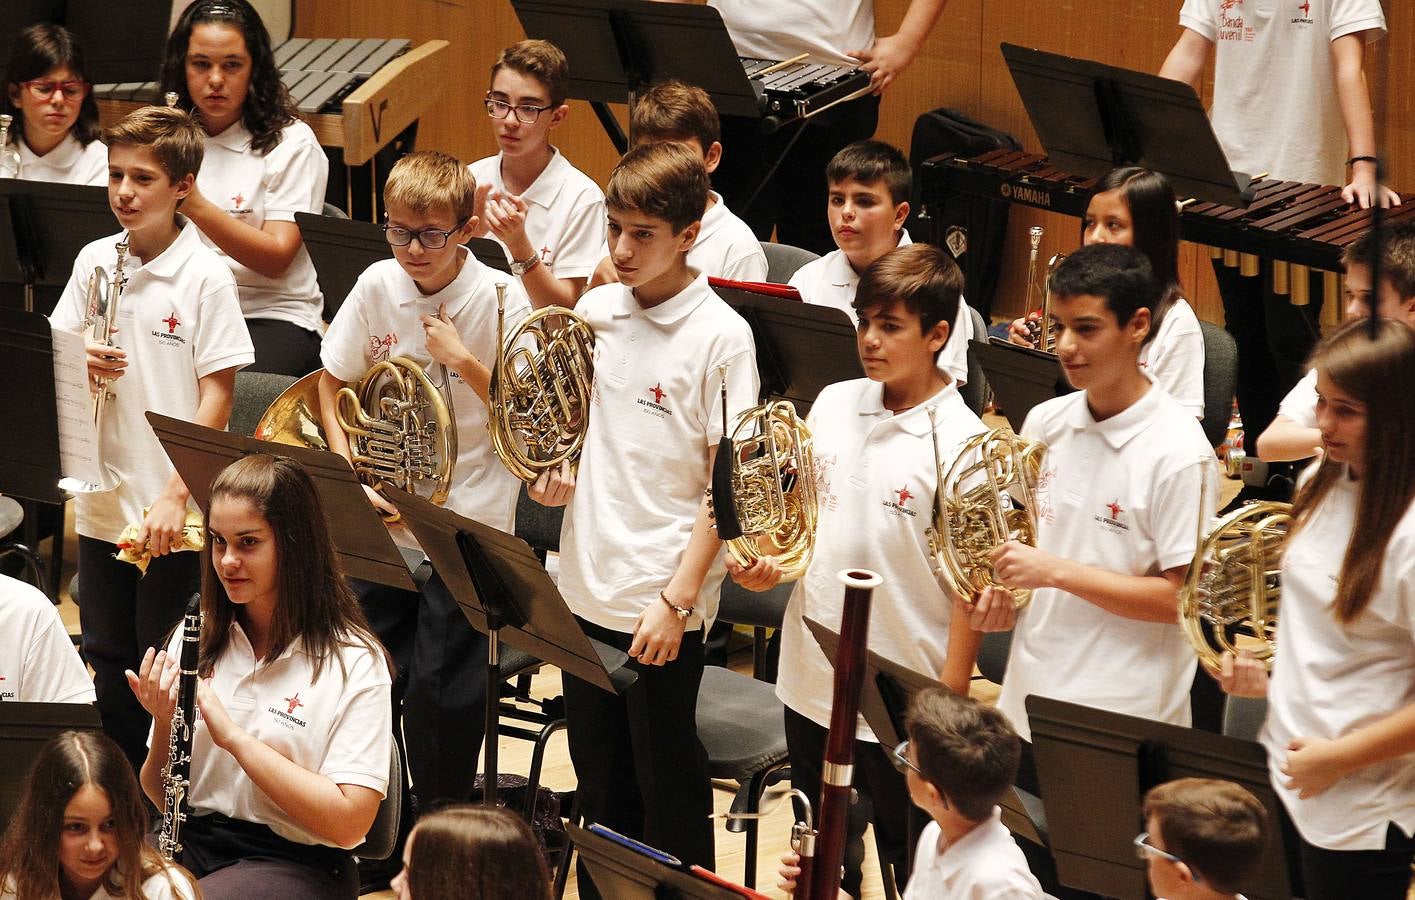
(1203, 838)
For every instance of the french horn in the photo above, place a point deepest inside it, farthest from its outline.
(985, 498)
(539, 397)
(1229, 600)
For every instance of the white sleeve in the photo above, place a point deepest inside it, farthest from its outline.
(1354, 16)
(361, 738)
(1300, 404)
(53, 672)
(344, 351)
(223, 341)
(1175, 507)
(69, 312)
(953, 358)
(1178, 365)
(581, 245)
(1201, 17)
(749, 266)
(298, 173)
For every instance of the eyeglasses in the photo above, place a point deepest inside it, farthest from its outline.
(525, 113)
(899, 756)
(43, 90)
(1145, 850)
(431, 238)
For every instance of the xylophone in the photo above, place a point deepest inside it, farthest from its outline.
(798, 90)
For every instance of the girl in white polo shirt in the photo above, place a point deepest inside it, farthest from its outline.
(290, 752)
(55, 127)
(263, 165)
(78, 830)
(1341, 700)
(1136, 207)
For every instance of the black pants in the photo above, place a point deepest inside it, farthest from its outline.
(121, 614)
(1341, 874)
(1274, 337)
(440, 689)
(236, 860)
(639, 766)
(283, 348)
(793, 200)
(898, 823)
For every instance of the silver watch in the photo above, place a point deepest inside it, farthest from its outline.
(521, 267)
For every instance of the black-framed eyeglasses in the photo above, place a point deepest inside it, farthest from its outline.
(1146, 851)
(40, 89)
(526, 114)
(899, 756)
(431, 238)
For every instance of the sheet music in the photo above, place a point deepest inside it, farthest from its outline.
(78, 439)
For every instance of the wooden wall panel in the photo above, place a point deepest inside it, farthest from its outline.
(960, 66)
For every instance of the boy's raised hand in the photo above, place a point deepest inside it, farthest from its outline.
(1242, 675)
(506, 217)
(993, 610)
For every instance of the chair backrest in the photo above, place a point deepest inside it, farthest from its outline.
(782, 260)
(1220, 381)
(992, 655)
(382, 835)
(331, 210)
(975, 392)
(538, 525)
(1243, 716)
(764, 609)
(255, 391)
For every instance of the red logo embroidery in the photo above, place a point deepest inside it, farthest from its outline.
(294, 703)
(1115, 509)
(544, 253)
(1306, 8)
(658, 392)
(380, 347)
(172, 322)
(238, 198)
(904, 495)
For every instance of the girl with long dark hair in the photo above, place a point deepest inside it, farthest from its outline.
(55, 127)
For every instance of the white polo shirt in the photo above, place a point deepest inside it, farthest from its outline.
(179, 320)
(382, 318)
(782, 29)
(985, 864)
(257, 189)
(69, 163)
(1300, 404)
(1331, 679)
(875, 484)
(726, 246)
(832, 281)
(1124, 495)
(339, 726)
(38, 662)
(653, 429)
(1175, 357)
(158, 886)
(564, 214)
(1275, 101)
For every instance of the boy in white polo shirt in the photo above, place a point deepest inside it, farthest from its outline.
(640, 563)
(38, 662)
(684, 114)
(866, 206)
(876, 477)
(180, 340)
(1118, 506)
(435, 304)
(1203, 838)
(548, 215)
(1293, 434)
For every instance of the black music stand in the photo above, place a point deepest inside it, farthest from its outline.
(1021, 377)
(29, 460)
(801, 347)
(341, 249)
(24, 729)
(1094, 767)
(626, 873)
(365, 547)
(505, 591)
(51, 223)
(1092, 117)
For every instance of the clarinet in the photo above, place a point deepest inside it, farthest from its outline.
(176, 775)
(822, 850)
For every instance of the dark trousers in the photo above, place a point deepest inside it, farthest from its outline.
(1341, 874)
(639, 766)
(898, 823)
(237, 860)
(440, 689)
(793, 200)
(1274, 337)
(283, 348)
(121, 614)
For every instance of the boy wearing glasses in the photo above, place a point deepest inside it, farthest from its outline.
(959, 760)
(1203, 839)
(435, 304)
(548, 215)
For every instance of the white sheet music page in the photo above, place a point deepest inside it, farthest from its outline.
(78, 439)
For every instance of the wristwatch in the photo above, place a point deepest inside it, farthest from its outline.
(521, 267)
(681, 612)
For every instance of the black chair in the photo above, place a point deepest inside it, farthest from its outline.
(255, 391)
(382, 835)
(782, 260)
(975, 392)
(1220, 381)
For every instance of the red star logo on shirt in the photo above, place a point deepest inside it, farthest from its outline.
(1115, 509)
(238, 198)
(658, 392)
(1306, 8)
(294, 703)
(545, 253)
(904, 495)
(172, 322)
